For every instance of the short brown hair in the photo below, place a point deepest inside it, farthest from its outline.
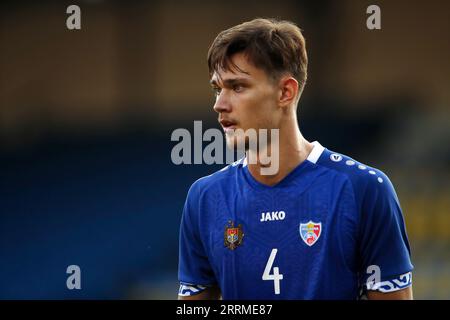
(276, 46)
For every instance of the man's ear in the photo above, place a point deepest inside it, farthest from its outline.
(288, 91)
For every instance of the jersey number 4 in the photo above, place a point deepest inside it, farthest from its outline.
(276, 276)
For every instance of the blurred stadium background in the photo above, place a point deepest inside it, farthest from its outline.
(86, 118)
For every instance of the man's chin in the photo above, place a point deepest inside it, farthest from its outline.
(235, 143)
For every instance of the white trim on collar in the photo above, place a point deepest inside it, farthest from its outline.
(244, 163)
(316, 152)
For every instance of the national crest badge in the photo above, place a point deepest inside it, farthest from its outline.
(310, 232)
(233, 235)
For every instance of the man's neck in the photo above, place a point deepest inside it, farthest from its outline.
(293, 150)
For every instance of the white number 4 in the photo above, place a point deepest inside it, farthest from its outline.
(276, 276)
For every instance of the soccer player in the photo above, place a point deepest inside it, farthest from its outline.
(324, 226)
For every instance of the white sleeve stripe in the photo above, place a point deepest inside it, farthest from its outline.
(188, 290)
(401, 282)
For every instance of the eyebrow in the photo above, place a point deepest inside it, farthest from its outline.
(229, 82)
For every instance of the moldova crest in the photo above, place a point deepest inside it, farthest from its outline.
(310, 232)
(233, 235)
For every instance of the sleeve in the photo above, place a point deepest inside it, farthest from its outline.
(385, 256)
(194, 270)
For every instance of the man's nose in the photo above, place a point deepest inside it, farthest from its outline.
(222, 103)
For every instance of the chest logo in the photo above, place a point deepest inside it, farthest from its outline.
(271, 216)
(310, 232)
(233, 235)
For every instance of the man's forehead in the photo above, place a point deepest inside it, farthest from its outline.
(219, 77)
(237, 66)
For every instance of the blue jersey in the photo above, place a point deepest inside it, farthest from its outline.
(330, 229)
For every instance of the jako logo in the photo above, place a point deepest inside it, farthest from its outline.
(271, 216)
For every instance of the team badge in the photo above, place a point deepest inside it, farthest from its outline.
(233, 235)
(310, 232)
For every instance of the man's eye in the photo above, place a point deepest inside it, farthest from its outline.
(216, 90)
(238, 88)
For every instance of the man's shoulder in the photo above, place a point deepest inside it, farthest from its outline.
(360, 175)
(218, 178)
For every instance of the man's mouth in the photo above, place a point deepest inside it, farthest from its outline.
(228, 125)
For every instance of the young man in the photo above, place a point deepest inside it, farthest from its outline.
(324, 226)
